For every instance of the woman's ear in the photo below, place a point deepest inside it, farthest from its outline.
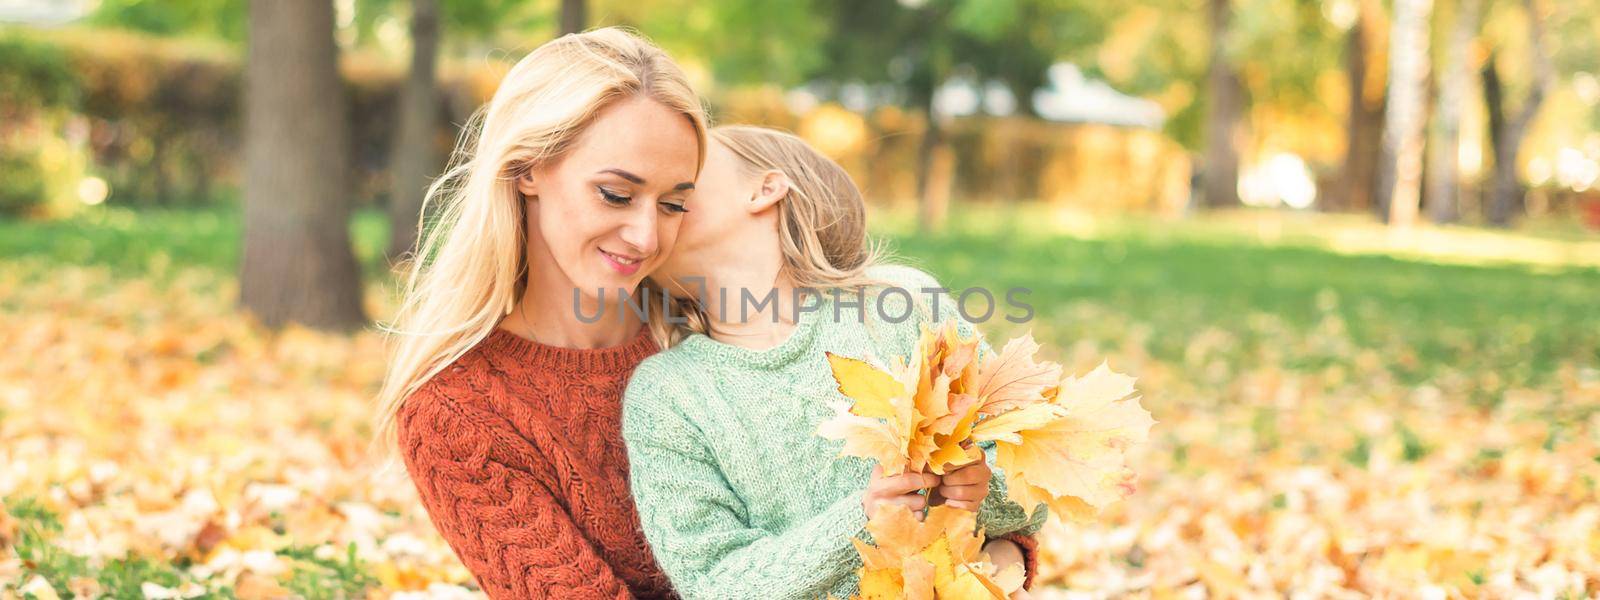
(526, 186)
(774, 187)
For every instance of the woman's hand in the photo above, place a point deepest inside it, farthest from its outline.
(902, 489)
(965, 487)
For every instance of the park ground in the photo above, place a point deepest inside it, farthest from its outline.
(1342, 411)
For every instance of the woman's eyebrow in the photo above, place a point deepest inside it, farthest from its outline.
(637, 180)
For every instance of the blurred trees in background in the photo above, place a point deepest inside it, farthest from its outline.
(1257, 95)
(414, 160)
(1225, 100)
(1444, 134)
(1404, 116)
(1365, 101)
(1508, 126)
(298, 265)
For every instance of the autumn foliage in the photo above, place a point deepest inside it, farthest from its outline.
(1060, 442)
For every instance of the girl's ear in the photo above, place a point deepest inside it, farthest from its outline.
(774, 187)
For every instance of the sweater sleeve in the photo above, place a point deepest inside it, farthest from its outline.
(998, 514)
(501, 520)
(696, 523)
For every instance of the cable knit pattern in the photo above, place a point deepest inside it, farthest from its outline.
(516, 450)
(739, 496)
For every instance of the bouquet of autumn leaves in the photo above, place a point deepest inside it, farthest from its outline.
(1061, 441)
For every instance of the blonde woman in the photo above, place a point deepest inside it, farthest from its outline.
(739, 496)
(506, 373)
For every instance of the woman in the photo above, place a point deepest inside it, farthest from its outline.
(739, 496)
(503, 389)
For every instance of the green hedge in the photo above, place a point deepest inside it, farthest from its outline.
(163, 116)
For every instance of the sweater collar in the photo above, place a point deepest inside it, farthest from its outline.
(786, 352)
(619, 359)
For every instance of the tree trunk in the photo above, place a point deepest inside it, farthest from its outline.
(298, 265)
(1444, 146)
(935, 167)
(1023, 92)
(574, 16)
(1220, 185)
(1408, 81)
(1366, 70)
(414, 160)
(1506, 134)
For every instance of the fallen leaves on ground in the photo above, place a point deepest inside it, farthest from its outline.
(150, 418)
(155, 422)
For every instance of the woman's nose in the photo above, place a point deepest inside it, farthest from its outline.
(640, 231)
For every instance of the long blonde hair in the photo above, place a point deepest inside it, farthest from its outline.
(822, 221)
(469, 268)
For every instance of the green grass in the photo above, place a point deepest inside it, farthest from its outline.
(152, 242)
(1205, 298)
(311, 574)
(1167, 285)
(35, 546)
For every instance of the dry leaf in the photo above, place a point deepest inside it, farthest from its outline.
(1076, 463)
(1060, 442)
(940, 556)
(1013, 379)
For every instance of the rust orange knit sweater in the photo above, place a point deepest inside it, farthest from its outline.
(516, 450)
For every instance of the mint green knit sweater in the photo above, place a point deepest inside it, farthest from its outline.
(738, 495)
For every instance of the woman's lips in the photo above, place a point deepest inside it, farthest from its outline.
(621, 264)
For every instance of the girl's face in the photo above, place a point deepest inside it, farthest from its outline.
(722, 220)
(607, 213)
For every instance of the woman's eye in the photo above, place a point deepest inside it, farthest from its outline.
(675, 207)
(612, 198)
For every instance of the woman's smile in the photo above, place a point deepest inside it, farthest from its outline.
(622, 264)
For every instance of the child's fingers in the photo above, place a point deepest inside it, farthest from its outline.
(908, 482)
(972, 474)
(964, 492)
(915, 502)
(963, 504)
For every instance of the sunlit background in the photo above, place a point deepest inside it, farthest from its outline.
(1351, 248)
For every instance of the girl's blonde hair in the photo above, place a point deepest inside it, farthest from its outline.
(822, 222)
(469, 268)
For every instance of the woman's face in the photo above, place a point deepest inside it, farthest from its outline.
(721, 218)
(607, 213)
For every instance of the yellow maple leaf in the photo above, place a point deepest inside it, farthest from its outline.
(1013, 379)
(882, 584)
(905, 419)
(1009, 425)
(940, 556)
(866, 437)
(873, 390)
(1075, 462)
(1061, 441)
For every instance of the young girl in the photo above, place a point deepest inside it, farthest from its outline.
(739, 496)
(507, 401)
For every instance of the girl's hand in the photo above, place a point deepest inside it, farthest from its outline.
(902, 489)
(965, 487)
(1002, 554)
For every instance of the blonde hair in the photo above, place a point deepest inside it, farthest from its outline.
(469, 268)
(822, 222)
